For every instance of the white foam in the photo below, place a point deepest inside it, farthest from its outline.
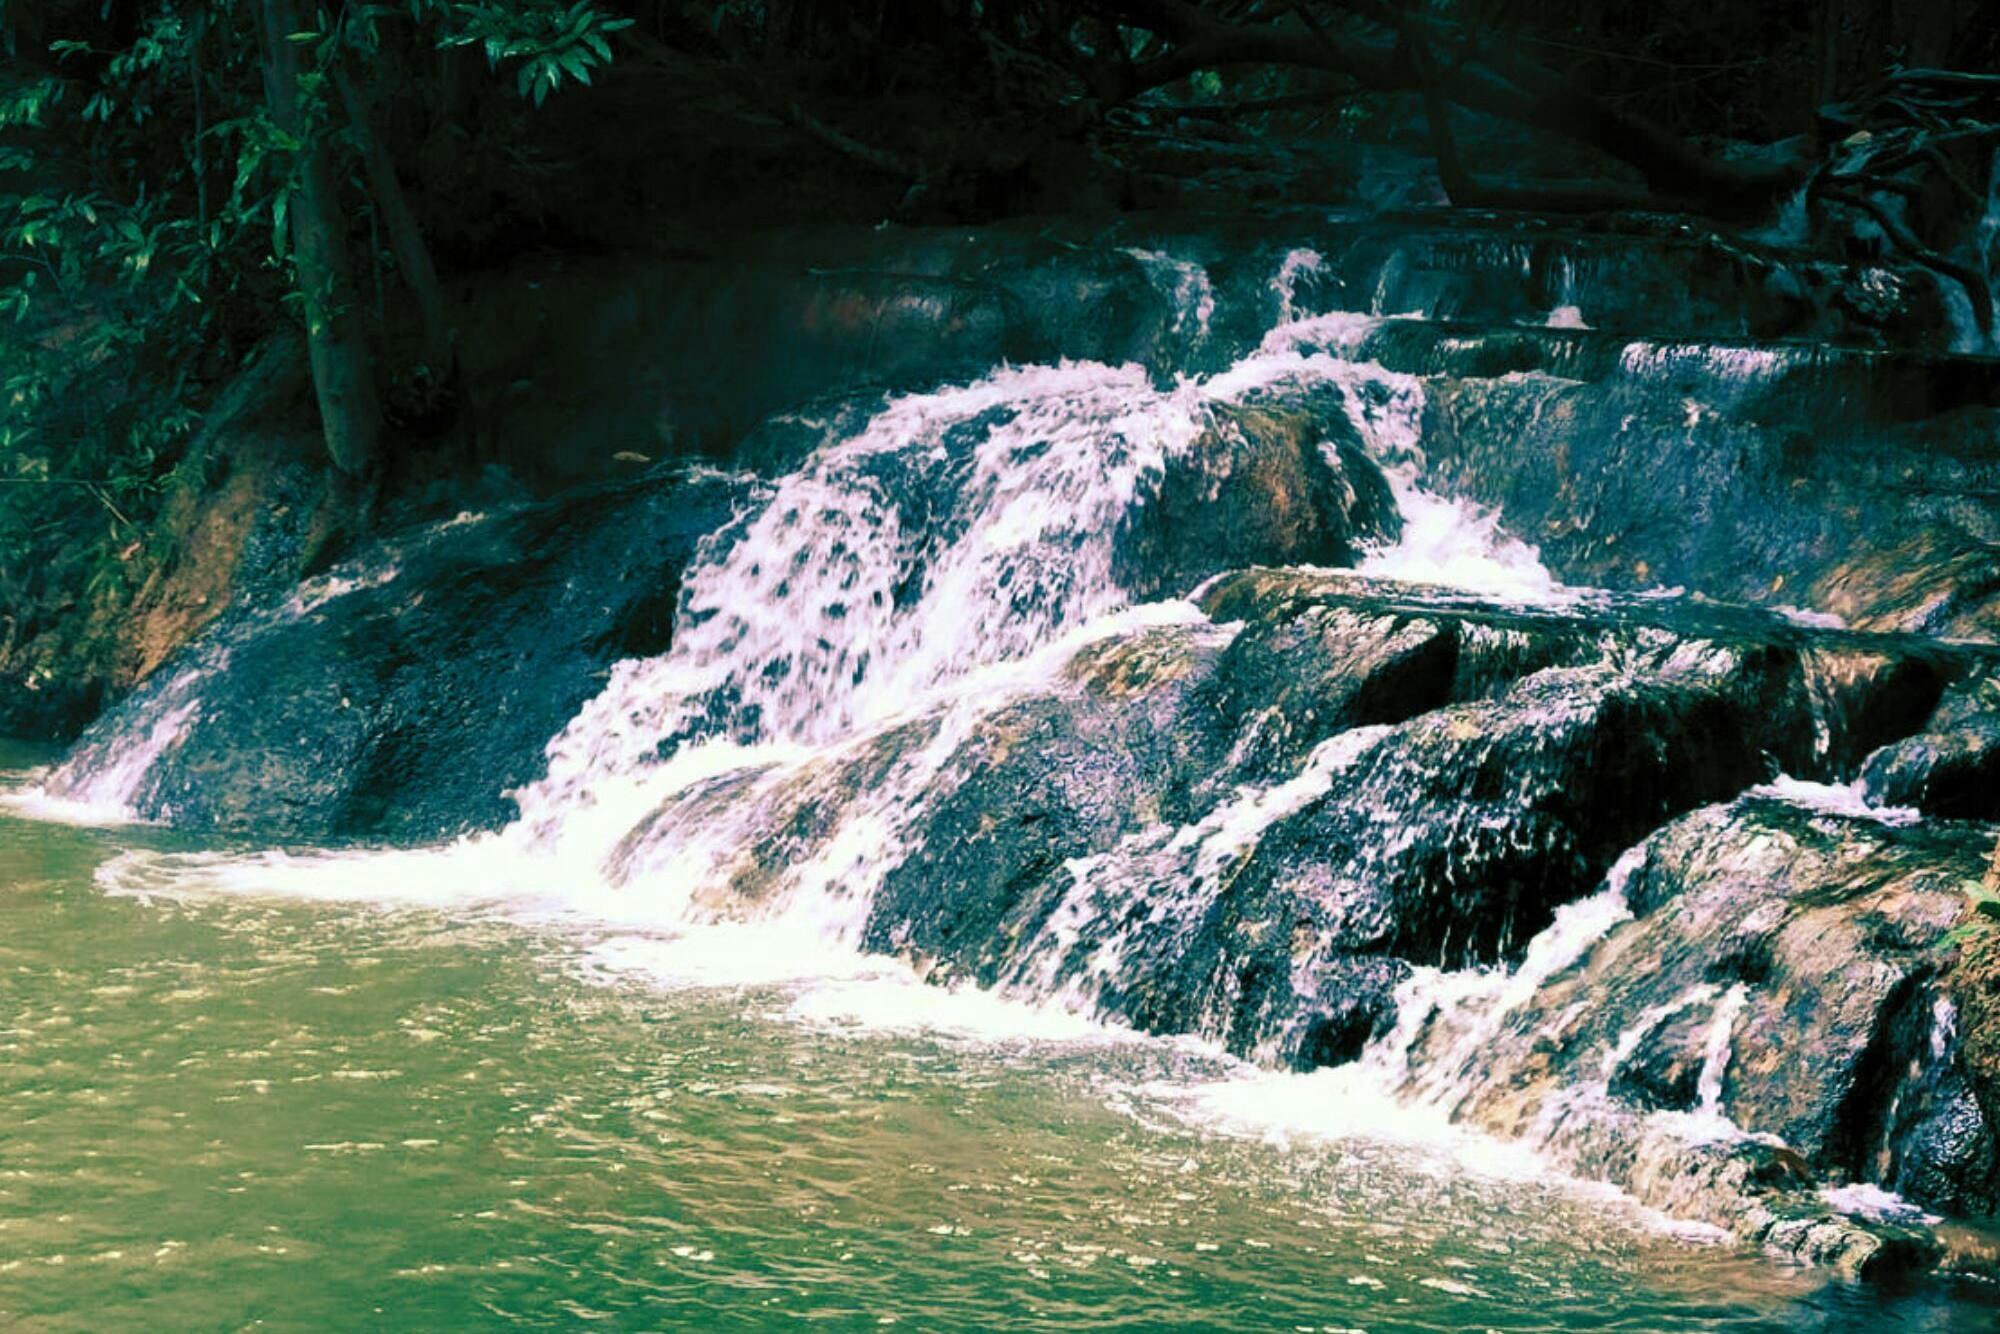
(1812, 620)
(316, 593)
(1339, 1103)
(1846, 800)
(1864, 1199)
(1339, 333)
(1460, 544)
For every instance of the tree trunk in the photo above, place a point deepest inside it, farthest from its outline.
(406, 238)
(350, 410)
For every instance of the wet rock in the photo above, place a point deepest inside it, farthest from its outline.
(1665, 1073)
(251, 507)
(1457, 835)
(1278, 478)
(1353, 1005)
(1252, 832)
(1760, 1193)
(401, 695)
(1951, 768)
(1761, 474)
(746, 838)
(1115, 747)
(1939, 579)
(1797, 961)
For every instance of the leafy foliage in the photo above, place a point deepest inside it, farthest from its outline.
(145, 199)
(1984, 917)
(549, 44)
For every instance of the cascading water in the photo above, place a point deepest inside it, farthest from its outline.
(872, 610)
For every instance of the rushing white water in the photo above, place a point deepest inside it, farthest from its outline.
(1865, 1200)
(1459, 1013)
(97, 786)
(959, 529)
(1718, 1049)
(951, 556)
(1299, 267)
(1459, 544)
(1847, 800)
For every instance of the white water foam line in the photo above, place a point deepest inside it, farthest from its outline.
(1848, 801)
(932, 629)
(1461, 545)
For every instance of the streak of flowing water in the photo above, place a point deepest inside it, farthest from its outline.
(1459, 544)
(877, 604)
(900, 585)
(1457, 1014)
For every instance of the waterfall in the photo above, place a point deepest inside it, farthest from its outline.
(1299, 267)
(857, 622)
(956, 529)
(945, 555)
(1401, 892)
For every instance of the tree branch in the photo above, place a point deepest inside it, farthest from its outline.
(1676, 173)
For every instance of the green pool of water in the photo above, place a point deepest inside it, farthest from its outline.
(223, 1112)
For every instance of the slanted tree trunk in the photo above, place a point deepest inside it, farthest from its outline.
(1487, 78)
(406, 238)
(350, 408)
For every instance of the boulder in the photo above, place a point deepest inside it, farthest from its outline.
(1252, 831)
(401, 695)
(1782, 1000)
(1951, 768)
(1278, 477)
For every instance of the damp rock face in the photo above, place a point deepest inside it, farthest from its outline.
(1949, 769)
(1255, 836)
(1781, 999)
(1858, 485)
(402, 694)
(1279, 478)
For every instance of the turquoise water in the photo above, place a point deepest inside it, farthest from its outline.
(223, 1112)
